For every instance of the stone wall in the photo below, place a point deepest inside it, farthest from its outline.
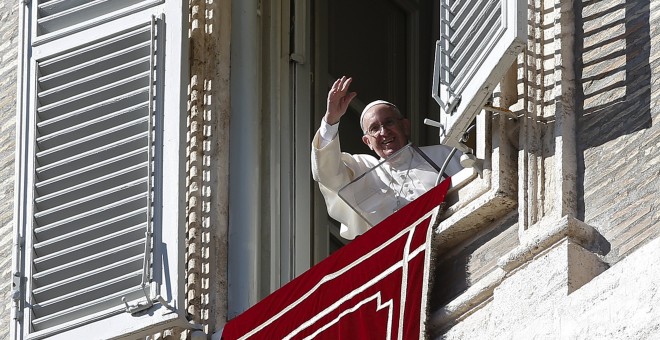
(605, 286)
(8, 55)
(618, 61)
(537, 302)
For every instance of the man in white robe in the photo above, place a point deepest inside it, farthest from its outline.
(386, 131)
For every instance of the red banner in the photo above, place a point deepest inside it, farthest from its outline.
(373, 288)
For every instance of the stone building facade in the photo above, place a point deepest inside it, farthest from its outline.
(557, 238)
(587, 217)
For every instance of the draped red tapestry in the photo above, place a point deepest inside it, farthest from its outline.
(373, 288)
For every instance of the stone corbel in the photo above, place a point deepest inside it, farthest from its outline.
(568, 229)
(585, 246)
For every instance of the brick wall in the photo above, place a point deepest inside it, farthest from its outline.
(8, 54)
(618, 132)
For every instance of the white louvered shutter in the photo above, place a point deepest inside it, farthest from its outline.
(478, 42)
(93, 167)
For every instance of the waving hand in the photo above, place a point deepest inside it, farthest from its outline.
(338, 100)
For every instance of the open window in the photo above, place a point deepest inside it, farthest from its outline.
(479, 43)
(97, 225)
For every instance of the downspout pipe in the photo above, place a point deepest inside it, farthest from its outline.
(244, 151)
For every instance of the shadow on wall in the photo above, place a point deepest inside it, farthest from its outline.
(453, 274)
(613, 96)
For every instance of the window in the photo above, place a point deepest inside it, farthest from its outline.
(479, 42)
(97, 223)
(475, 82)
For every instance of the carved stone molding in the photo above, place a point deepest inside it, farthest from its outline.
(581, 263)
(548, 153)
(541, 239)
(207, 163)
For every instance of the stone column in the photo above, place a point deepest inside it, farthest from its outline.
(548, 152)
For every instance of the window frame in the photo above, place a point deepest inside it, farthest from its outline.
(476, 199)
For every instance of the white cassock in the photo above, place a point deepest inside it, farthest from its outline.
(394, 184)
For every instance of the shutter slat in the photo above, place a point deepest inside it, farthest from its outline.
(116, 240)
(117, 74)
(56, 18)
(87, 158)
(79, 266)
(99, 274)
(95, 125)
(88, 233)
(111, 304)
(95, 201)
(81, 175)
(84, 204)
(466, 30)
(54, 6)
(77, 143)
(98, 215)
(460, 21)
(96, 184)
(105, 61)
(90, 292)
(484, 44)
(107, 91)
(113, 46)
(55, 118)
(480, 39)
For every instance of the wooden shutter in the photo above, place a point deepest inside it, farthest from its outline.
(478, 42)
(94, 119)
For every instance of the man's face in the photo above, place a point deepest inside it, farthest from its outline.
(385, 131)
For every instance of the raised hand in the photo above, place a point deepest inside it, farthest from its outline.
(338, 100)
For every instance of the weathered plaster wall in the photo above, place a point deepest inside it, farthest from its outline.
(8, 55)
(618, 50)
